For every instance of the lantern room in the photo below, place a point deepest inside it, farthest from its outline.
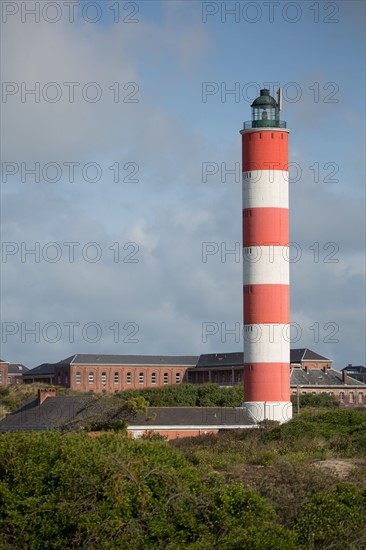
(265, 111)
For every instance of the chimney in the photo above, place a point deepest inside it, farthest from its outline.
(344, 376)
(43, 393)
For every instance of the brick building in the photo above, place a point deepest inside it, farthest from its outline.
(358, 372)
(345, 389)
(11, 373)
(306, 358)
(226, 369)
(311, 373)
(111, 373)
(16, 372)
(4, 366)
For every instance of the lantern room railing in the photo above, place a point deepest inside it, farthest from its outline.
(264, 124)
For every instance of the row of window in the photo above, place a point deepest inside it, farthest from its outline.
(351, 396)
(129, 376)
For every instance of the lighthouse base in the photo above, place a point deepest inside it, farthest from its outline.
(280, 411)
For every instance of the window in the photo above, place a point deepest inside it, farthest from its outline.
(104, 378)
(141, 378)
(91, 377)
(1, 377)
(66, 379)
(166, 378)
(341, 396)
(177, 378)
(59, 379)
(129, 378)
(190, 377)
(78, 377)
(116, 378)
(360, 397)
(351, 397)
(153, 378)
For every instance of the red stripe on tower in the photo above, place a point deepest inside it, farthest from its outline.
(266, 289)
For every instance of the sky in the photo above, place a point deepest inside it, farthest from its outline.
(121, 179)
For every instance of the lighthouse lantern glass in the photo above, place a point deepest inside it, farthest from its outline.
(264, 112)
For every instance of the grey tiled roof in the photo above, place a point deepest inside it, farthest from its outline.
(17, 368)
(193, 416)
(66, 412)
(153, 360)
(52, 414)
(359, 369)
(220, 360)
(305, 354)
(317, 377)
(45, 368)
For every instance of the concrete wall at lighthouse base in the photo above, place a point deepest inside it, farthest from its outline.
(280, 411)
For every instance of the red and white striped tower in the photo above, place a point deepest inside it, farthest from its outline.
(266, 286)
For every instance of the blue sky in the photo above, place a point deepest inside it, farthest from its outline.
(166, 136)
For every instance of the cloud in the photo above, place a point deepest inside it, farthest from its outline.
(165, 218)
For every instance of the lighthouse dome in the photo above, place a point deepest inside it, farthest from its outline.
(264, 100)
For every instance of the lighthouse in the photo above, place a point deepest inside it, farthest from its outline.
(266, 284)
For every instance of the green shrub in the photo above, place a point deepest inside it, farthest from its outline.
(189, 395)
(333, 520)
(320, 400)
(108, 425)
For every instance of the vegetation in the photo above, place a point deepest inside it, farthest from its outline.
(189, 395)
(179, 395)
(294, 486)
(319, 400)
(212, 395)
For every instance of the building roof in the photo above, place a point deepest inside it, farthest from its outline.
(50, 415)
(236, 359)
(305, 354)
(220, 359)
(74, 411)
(45, 368)
(192, 416)
(150, 360)
(319, 378)
(359, 369)
(17, 368)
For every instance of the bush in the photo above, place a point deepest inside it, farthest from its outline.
(109, 492)
(319, 401)
(189, 395)
(334, 519)
(108, 425)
